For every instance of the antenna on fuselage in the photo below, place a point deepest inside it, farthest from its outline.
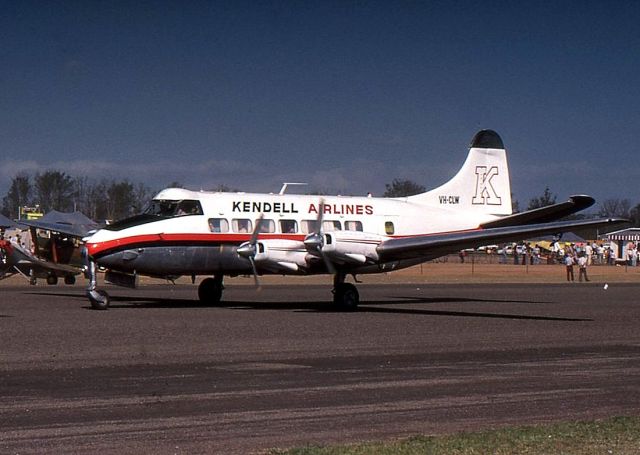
(286, 184)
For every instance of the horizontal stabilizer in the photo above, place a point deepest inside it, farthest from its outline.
(543, 214)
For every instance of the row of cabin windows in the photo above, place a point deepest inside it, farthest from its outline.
(245, 225)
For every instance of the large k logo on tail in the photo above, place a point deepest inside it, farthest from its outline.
(485, 192)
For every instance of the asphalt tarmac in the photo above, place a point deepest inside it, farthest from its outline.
(160, 373)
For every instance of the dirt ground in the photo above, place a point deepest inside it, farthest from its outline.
(451, 271)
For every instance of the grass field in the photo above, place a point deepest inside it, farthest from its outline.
(615, 436)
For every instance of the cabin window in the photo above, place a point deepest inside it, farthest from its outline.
(331, 226)
(267, 226)
(288, 226)
(353, 226)
(308, 226)
(218, 225)
(241, 225)
(389, 228)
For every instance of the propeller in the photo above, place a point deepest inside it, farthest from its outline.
(315, 240)
(249, 250)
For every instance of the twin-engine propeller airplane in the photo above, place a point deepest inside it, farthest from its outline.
(202, 233)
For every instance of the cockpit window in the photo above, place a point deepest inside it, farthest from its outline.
(159, 209)
(166, 208)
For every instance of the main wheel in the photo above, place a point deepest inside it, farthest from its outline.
(210, 291)
(69, 279)
(346, 297)
(99, 299)
(52, 280)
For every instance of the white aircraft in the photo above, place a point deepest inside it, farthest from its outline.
(216, 234)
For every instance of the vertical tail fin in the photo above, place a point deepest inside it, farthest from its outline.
(481, 185)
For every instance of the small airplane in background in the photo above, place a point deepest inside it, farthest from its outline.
(228, 234)
(57, 249)
(14, 259)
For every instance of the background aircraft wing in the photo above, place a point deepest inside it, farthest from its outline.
(74, 230)
(436, 245)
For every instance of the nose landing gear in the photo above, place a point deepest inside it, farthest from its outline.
(99, 299)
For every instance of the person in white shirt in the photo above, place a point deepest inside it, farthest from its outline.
(582, 265)
(568, 261)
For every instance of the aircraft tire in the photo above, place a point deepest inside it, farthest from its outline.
(99, 299)
(69, 279)
(52, 280)
(346, 297)
(210, 291)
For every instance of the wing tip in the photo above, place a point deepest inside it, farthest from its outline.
(582, 200)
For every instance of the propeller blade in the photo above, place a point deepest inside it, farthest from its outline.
(327, 262)
(320, 216)
(249, 250)
(256, 230)
(315, 240)
(255, 274)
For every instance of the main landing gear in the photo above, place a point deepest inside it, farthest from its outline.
(210, 290)
(345, 295)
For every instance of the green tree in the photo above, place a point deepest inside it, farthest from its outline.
(54, 191)
(402, 188)
(121, 200)
(547, 198)
(614, 208)
(634, 215)
(19, 194)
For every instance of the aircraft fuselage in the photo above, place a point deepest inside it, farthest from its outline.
(203, 238)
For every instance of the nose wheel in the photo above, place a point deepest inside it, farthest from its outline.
(99, 299)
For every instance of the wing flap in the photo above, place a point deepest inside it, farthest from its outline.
(436, 245)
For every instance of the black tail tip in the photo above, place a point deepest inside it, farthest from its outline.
(487, 139)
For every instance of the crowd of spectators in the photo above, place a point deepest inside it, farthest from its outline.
(596, 253)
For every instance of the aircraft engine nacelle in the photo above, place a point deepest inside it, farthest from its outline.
(279, 255)
(351, 247)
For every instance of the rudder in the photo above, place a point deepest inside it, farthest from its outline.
(481, 185)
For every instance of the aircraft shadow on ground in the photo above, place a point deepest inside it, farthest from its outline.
(382, 306)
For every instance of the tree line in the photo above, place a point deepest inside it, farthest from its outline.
(56, 190)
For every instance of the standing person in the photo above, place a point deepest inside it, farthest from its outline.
(582, 265)
(568, 261)
(589, 250)
(600, 255)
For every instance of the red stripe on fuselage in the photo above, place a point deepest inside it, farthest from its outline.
(147, 240)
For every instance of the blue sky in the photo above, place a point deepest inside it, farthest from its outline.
(343, 95)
